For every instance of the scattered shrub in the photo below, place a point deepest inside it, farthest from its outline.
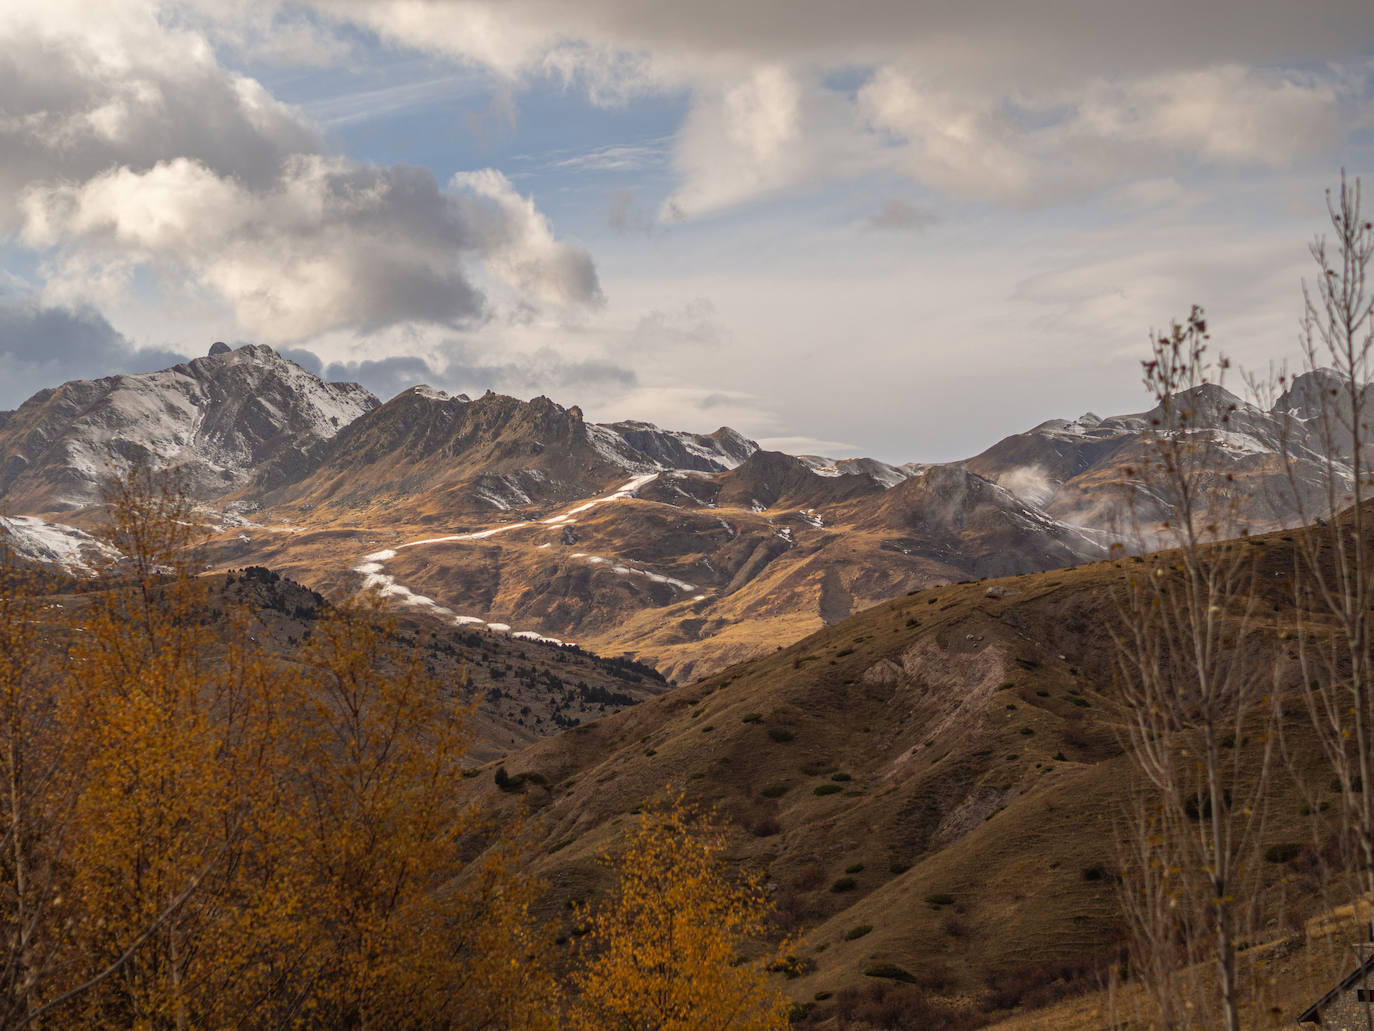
(857, 932)
(840, 776)
(780, 734)
(753, 717)
(767, 827)
(898, 868)
(828, 789)
(1096, 872)
(843, 652)
(775, 791)
(844, 884)
(854, 868)
(940, 898)
(890, 971)
(1282, 853)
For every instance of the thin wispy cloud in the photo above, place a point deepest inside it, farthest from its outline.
(617, 157)
(340, 110)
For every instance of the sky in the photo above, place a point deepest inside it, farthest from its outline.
(895, 228)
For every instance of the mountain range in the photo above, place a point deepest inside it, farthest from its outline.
(687, 551)
(893, 684)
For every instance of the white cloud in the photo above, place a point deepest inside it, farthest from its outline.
(331, 244)
(87, 89)
(518, 244)
(1224, 113)
(1028, 106)
(962, 147)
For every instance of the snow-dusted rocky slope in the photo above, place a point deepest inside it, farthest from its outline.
(216, 417)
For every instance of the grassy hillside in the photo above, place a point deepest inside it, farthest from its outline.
(937, 785)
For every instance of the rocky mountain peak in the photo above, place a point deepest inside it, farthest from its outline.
(215, 418)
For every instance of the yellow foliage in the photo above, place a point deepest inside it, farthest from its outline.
(243, 841)
(664, 952)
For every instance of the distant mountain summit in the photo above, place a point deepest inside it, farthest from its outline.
(686, 550)
(217, 418)
(447, 456)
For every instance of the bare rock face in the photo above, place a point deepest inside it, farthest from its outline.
(216, 418)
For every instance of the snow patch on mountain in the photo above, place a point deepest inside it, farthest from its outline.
(887, 475)
(53, 544)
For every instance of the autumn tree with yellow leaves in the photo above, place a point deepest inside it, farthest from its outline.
(171, 739)
(664, 952)
(391, 926)
(201, 832)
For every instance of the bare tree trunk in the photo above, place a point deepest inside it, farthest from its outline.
(1191, 702)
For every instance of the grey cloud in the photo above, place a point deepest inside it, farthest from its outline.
(620, 45)
(307, 360)
(70, 111)
(625, 215)
(717, 401)
(385, 377)
(43, 346)
(332, 244)
(545, 371)
(900, 216)
(127, 146)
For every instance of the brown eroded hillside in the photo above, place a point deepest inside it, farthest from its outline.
(685, 570)
(937, 784)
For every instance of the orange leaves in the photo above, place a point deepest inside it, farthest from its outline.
(258, 841)
(663, 954)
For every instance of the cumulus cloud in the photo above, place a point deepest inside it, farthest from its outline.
(980, 106)
(331, 243)
(128, 146)
(91, 89)
(955, 144)
(1225, 113)
(518, 244)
